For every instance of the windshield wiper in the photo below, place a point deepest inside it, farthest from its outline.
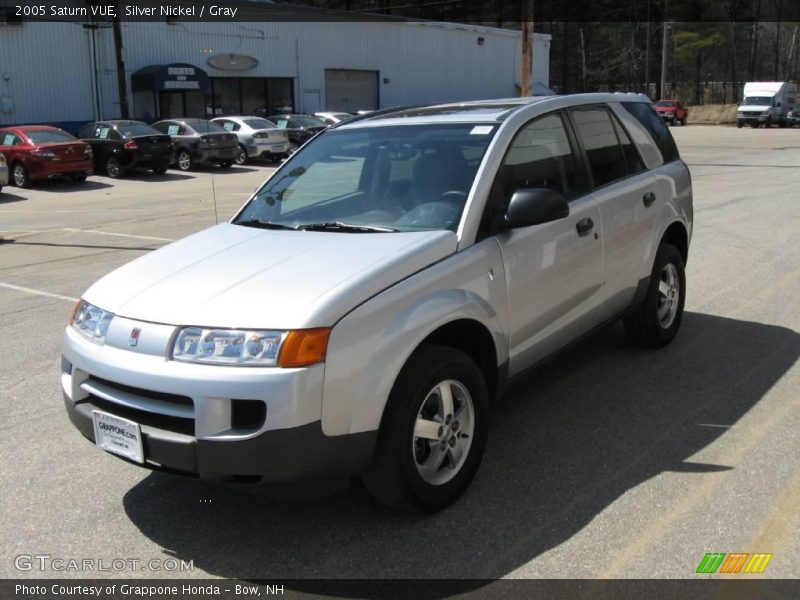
(345, 227)
(262, 224)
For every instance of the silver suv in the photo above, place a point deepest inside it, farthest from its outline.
(363, 310)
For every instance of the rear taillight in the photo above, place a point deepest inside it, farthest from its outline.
(40, 153)
(132, 145)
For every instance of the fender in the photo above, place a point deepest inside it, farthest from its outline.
(370, 346)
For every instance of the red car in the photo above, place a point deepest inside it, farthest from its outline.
(38, 152)
(672, 111)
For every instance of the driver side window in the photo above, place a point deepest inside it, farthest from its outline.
(540, 156)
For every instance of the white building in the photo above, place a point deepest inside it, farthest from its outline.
(66, 73)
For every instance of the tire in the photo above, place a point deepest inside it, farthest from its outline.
(739, 124)
(183, 160)
(19, 175)
(683, 122)
(397, 477)
(160, 170)
(78, 177)
(226, 164)
(241, 158)
(657, 320)
(674, 121)
(114, 168)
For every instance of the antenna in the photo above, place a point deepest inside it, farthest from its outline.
(214, 196)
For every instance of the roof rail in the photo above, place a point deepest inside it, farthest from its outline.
(380, 113)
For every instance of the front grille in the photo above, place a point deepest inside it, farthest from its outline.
(143, 417)
(170, 412)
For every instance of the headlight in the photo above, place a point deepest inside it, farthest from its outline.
(91, 321)
(253, 348)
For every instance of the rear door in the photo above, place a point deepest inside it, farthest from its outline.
(554, 271)
(625, 193)
(12, 146)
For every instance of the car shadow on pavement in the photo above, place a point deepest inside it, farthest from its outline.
(59, 186)
(6, 197)
(591, 425)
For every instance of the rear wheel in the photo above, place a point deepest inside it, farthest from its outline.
(19, 174)
(184, 160)
(241, 156)
(656, 322)
(433, 432)
(114, 168)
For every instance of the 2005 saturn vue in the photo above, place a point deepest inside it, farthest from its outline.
(364, 308)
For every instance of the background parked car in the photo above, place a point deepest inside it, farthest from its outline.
(258, 137)
(672, 111)
(35, 152)
(199, 141)
(299, 128)
(121, 145)
(794, 117)
(331, 118)
(3, 172)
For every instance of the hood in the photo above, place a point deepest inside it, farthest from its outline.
(242, 277)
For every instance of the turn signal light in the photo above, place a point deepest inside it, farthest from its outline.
(304, 347)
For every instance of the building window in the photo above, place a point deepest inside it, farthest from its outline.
(261, 96)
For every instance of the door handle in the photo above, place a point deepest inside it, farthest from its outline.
(584, 226)
(648, 198)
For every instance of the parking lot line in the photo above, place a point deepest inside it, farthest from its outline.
(28, 290)
(127, 235)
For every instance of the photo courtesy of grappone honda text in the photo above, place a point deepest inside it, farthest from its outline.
(362, 311)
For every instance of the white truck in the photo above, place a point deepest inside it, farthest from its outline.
(766, 103)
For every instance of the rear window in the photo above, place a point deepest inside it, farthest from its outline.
(258, 123)
(206, 127)
(647, 116)
(307, 121)
(136, 129)
(49, 137)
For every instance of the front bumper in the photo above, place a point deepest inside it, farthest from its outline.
(287, 456)
(756, 118)
(248, 424)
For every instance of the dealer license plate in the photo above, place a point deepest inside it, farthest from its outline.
(118, 436)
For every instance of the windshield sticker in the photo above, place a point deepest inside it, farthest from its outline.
(481, 129)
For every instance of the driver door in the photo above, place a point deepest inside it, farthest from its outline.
(554, 271)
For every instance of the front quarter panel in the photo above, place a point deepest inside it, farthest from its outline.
(370, 345)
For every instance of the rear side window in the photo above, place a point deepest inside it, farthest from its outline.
(596, 131)
(647, 116)
(632, 159)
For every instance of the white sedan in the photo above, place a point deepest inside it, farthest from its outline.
(257, 137)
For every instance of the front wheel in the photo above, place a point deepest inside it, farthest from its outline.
(184, 160)
(241, 156)
(19, 174)
(114, 168)
(656, 322)
(433, 432)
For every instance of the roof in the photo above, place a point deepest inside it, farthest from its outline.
(477, 111)
(24, 128)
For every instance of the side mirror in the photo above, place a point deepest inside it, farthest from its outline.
(532, 206)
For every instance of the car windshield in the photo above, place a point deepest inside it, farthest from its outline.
(758, 101)
(666, 104)
(206, 127)
(258, 123)
(391, 178)
(132, 129)
(49, 137)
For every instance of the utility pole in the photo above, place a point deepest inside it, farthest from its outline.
(647, 54)
(664, 50)
(122, 87)
(526, 80)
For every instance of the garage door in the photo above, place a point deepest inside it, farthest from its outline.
(349, 91)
